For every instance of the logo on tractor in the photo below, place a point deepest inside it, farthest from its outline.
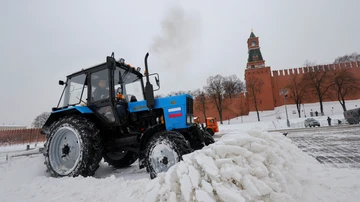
(139, 107)
(175, 112)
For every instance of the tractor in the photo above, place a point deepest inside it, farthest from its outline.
(107, 112)
(211, 125)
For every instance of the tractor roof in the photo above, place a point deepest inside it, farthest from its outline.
(102, 65)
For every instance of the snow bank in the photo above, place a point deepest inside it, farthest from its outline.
(242, 166)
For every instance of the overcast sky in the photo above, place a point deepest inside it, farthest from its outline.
(188, 41)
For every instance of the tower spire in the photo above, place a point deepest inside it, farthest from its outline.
(255, 59)
(252, 35)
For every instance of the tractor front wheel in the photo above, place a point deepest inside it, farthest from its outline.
(164, 150)
(73, 148)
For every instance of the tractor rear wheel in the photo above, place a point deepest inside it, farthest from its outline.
(120, 159)
(210, 131)
(73, 148)
(164, 150)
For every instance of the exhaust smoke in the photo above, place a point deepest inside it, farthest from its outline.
(175, 47)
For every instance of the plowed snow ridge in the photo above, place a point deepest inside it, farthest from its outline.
(246, 166)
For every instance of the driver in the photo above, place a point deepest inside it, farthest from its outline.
(101, 92)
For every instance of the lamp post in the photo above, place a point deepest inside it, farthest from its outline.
(304, 110)
(285, 93)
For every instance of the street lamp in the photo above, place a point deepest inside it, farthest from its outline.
(285, 93)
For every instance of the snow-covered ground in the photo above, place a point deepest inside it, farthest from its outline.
(241, 166)
(247, 163)
(276, 119)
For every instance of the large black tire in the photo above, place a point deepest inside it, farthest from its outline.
(163, 150)
(210, 131)
(120, 160)
(199, 138)
(73, 140)
(208, 139)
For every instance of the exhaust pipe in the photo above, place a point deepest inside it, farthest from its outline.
(149, 90)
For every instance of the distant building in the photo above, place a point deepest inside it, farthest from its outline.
(11, 127)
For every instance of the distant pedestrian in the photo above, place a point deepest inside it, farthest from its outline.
(316, 113)
(329, 120)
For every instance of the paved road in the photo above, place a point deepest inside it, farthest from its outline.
(333, 146)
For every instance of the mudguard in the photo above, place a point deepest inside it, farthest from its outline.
(55, 115)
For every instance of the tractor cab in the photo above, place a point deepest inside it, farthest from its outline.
(106, 89)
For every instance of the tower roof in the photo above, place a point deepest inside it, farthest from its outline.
(252, 35)
(255, 55)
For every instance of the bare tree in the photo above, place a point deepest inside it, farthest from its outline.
(318, 83)
(216, 92)
(40, 120)
(297, 91)
(200, 101)
(253, 85)
(158, 96)
(242, 108)
(344, 84)
(181, 92)
(348, 58)
(174, 93)
(233, 86)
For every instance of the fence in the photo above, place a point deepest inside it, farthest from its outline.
(21, 136)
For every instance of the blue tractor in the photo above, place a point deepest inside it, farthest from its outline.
(107, 112)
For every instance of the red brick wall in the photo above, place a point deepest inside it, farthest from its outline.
(281, 78)
(21, 136)
(234, 107)
(270, 94)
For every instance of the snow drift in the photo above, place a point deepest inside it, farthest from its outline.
(244, 166)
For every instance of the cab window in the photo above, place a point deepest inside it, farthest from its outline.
(99, 85)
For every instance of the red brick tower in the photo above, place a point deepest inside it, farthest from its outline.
(258, 78)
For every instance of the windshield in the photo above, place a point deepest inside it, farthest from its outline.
(75, 91)
(129, 84)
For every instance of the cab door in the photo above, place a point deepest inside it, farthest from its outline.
(100, 95)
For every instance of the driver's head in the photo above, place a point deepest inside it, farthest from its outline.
(102, 83)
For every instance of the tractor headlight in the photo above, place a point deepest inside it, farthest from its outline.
(189, 119)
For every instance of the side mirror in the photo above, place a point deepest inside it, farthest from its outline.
(61, 82)
(157, 81)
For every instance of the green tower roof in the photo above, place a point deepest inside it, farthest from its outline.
(255, 55)
(252, 35)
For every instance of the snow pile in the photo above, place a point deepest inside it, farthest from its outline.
(243, 166)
